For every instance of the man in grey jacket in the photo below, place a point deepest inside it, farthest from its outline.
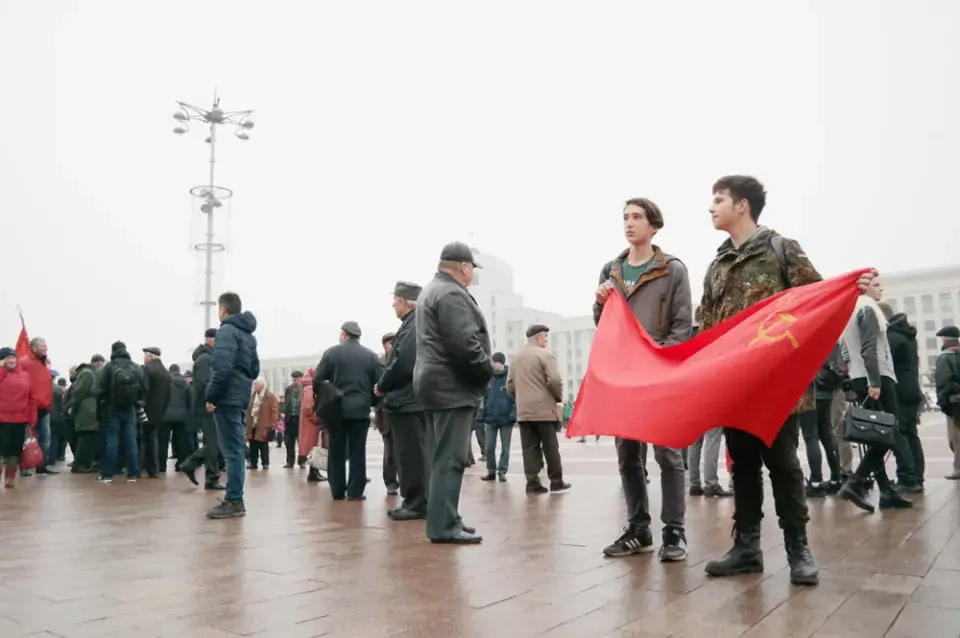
(451, 373)
(657, 289)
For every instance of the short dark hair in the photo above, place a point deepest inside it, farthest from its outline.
(744, 187)
(230, 301)
(652, 211)
(174, 369)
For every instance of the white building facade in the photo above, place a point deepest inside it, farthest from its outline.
(931, 300)
(508, 320)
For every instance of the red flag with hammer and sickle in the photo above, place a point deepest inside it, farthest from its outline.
(748, 372)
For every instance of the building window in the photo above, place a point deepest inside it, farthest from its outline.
(931, 343)
(910, 305)
(948, 321)
(510, 344)
(926, 304)
(946, 302)
(932, 361)
(894, 304)
(930, 326)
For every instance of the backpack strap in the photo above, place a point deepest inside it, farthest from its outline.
(778, 249)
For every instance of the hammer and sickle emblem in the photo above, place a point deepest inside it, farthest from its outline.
(775, 327)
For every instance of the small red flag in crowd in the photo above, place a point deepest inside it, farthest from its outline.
(748, 372)
(23, 341)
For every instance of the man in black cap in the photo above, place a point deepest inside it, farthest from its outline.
(450, 376)
(354, 370)
(947, 379)
(948, 334)
(408, 425)
(209, 453)
(156, 377)
(291, 420)
(535, 381)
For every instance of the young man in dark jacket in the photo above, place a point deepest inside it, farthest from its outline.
(121, 388)
(209, 453)
(657, 289)
(902, 338)
(498, 414)
(235, 366)
(175, 418)
(947, 379)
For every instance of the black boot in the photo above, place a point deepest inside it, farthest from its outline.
(803, 571)
(744, 557)
(855, 491)
(890, 497)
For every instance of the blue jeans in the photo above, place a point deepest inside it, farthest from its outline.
(490, 439)
(43, 438)
(232, 432)
(122, 422)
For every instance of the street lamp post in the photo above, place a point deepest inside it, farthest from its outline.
(212, 194)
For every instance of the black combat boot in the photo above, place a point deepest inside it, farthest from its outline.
(855, 491)
(744, 557)
(803, 571)
(890, 497)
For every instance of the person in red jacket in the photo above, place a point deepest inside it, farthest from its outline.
(36, 365)
(18, 409)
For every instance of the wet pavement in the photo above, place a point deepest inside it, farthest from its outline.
(81, 559)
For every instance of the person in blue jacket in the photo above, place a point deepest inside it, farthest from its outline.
(498, 414)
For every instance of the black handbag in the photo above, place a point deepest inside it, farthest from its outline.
(868, 427)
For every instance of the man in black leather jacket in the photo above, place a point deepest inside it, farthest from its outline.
(450, 376)
(408, 426)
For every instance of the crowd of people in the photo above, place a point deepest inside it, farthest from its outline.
(438, 382)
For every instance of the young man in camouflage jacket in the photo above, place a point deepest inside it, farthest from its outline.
(753, 264)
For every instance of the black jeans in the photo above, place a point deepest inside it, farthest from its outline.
(749, 455)
(209, 453)
(177, 434)
(817, 431)
(909, 416)
(538, 440)
(58, 441)
(348, 441)
(291, 432)
(873, 459)
(259, 450)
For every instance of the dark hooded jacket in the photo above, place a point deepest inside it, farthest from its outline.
(157, 380)
(397, 378)
(119, 358)
(499, 408)
(179, 404)
(235, 362)
(83, 401)
(902, 338)
(202, 369)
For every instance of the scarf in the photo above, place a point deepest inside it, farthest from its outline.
(866, 301)
(257, 398)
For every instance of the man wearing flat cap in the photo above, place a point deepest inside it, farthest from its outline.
(947, 379)
(451, 374)
(156, 378)
(291, 421)
(534, 380)
(354, 370)
(407, 421)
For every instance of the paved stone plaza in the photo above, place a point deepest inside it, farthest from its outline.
(84, 560)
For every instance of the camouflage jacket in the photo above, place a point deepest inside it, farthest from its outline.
(739, 278)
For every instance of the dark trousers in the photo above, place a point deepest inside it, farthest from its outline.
(538, 439)
(909, 417)
(448, 435)
(817, 431)
(58, 440)
(874, 458)
(121, 426)
(390, 464)
(410, 442)
(259, 450)
(291, 432)
(177, 434)
(749, 455)
(209, 453)
(71, 436)
(348, 441)
(86, 450)
(149, 454)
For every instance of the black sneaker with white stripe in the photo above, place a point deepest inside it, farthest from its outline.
(674, 546)
(632, 541)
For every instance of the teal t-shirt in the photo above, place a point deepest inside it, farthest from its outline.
(632, 274)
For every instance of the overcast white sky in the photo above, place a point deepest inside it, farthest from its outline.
(387, 129)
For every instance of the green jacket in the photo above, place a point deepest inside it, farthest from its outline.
(84, 400)
(739, 278)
